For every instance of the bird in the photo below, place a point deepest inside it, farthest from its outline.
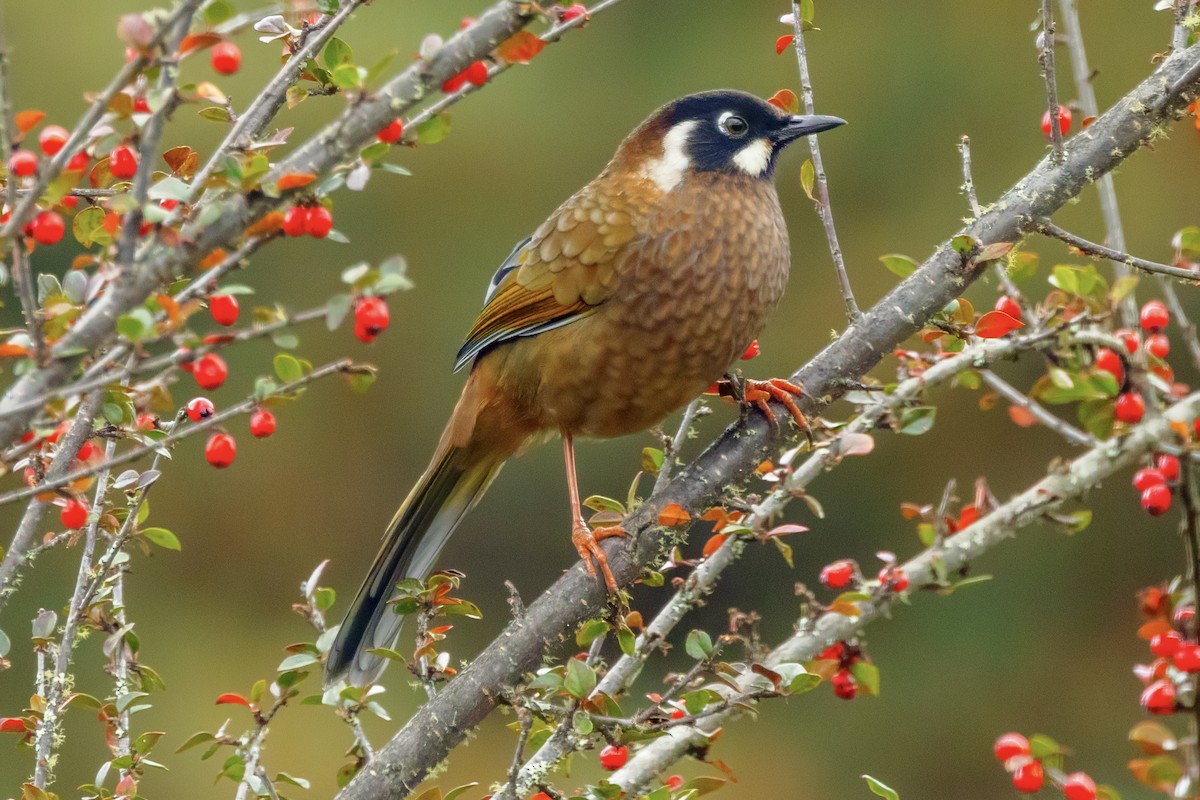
(630, 300)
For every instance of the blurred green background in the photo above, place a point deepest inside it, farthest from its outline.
(1047, 646)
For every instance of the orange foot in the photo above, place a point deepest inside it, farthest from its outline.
(757, 393)
(587, 542)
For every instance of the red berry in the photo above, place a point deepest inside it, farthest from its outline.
(1130, 408)
(1158, 345)
(78, 162)
(674, 782)
(1168, 465)
(86, 451)
(1009, 306)
(262, 423)
(392, 133)
(1157, 500)
(370, 318)
(147, 422)
(210, 371)
(752, 350)
(122, 162)
(1165, 645)
(168, 204)
(614, 756)
(540, 796)
(1146, 477)
(200, 408)
(220, 450)
(844, 685)
(1029, 777)
(838, 574)
(224, 308)
(52, 139)
(57, 433)
(1064, 121)
(893, 578)
(678, 713)
(455, 83)
(295, 220)
(141, 105)
(1154, 316)
(1187, 657)
(1108, 361)
(70, 201)
(319, 222)
(23, 163)
(1129, 339)
(834, 652)
(47, 228)
(1159, 697)
(74, 514)
(477, 73)
(1078, 786)
(226, 58)
(572, 11)
(1010, 745)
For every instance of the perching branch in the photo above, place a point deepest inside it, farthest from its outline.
(441, 724)
(1048, 228)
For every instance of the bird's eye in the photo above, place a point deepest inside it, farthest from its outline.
(733, 125)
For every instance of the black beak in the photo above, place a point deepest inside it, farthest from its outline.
(801, 125)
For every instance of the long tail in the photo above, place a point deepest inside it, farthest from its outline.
(452, 484)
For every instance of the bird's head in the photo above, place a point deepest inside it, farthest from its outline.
(721, 131)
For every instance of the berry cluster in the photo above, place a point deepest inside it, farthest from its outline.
(1029, 774)
(1172, 631)
(315, 221)
(1156, 483)
(845, 685)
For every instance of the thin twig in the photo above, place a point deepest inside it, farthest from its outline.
(1190, 525)
(1060, 426)
(1180, 30)
(821, 184)
(47, 734)
(1045, 226)
(1086, 94)
(68, 448)
(671, 448)
(1000, 267)
(1046, 42)
(183, 432)
(153, 131)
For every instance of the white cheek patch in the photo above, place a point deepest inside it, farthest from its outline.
(754, 158)
(667, 170)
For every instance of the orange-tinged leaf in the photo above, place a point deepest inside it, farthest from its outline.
(995, 324)
(9, 350)
(210, 91)
(1153, 628)
(787, 100)
(673, 514)
(520, 47)
(197, 41)
(294, 180)
(212, 259)
(177, 156)
(169, 306)
(931, 335)
(230, 698)
(784, 42)
(633, 620)
(764, 467)
(845, 608)
(910, 510)
(27, 119)
(268, 223)
(714, 543)
(1153, 738)
(1022, 416)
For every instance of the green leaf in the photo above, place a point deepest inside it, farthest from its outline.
(1187, 242)
(652, 460)
(900, 265)
(699, 645)
(361, 381)
(867, 675)
(627, 641)
(917, 420)
(582, 723)
(88, 226)
(590, 630)
(1022, 265)
(1042, 746)
(336, 53)
(963, 244)
(601, 503)
(284, 777)
(336, 309)
(169, 188)
(217, 11)
(162, 537)
(880, 789)
(808, 177)
(1066, 278)
(457, 790)
(296, 661)
(807, 10)
(345, 76)
(434, 129)
(287, 367)
(196, 738)
(214, 114)
(146, 742)
(580, 680)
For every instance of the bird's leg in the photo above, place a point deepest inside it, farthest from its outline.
(753, 392)
(586, 540)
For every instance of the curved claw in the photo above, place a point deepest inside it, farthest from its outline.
(758, 393)
(587, 543)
